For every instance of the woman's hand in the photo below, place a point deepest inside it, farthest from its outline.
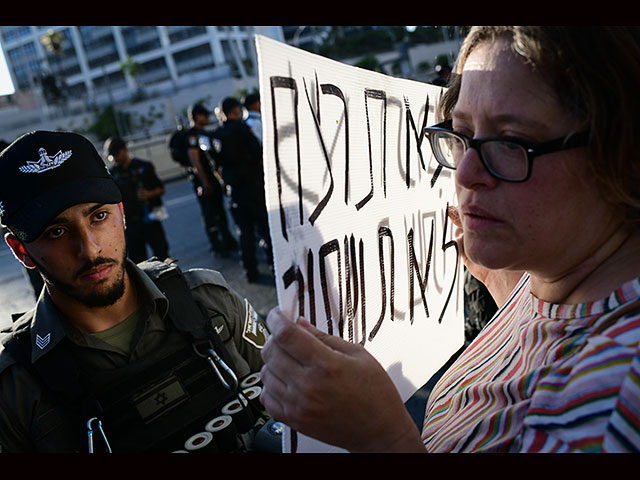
(332, 390)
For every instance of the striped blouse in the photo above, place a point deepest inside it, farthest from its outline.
(544, 377)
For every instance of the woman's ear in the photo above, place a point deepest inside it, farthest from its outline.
(19, 251)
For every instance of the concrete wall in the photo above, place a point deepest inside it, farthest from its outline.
(155, 150)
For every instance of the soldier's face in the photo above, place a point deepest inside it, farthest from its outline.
(81, 254)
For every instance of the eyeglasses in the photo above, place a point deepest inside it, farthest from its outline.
(506, 159)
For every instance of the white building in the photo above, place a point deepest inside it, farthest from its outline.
(180, 65)
(171, 57)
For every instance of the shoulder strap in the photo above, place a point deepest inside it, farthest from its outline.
(184, 312)
(187, 315)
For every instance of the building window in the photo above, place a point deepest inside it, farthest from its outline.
(13, 33)
(180, 33)
(24, 62)
(99, 45)
(194, 59)
(154, 71)
(140, 39)
(79, 90)
(110, 82)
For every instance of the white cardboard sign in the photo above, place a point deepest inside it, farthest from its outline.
(357, 209)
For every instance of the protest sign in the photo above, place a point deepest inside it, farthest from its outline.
(357, 209)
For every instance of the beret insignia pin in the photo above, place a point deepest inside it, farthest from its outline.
(45, 162)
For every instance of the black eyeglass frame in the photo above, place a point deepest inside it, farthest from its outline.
(531, 149)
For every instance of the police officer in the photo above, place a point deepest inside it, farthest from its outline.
(114, 356)
(242, 170)
(254, 116)
(142, 192)
(207, 182)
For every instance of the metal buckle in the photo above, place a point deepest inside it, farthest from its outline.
(90, 434)
(213, 358)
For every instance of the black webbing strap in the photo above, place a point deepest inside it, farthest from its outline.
(187, 315)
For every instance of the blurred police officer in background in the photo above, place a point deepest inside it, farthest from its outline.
(207, 182)
(142, 192)
(254, 116)
(240, 160)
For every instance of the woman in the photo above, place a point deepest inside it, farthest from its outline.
(540, 130)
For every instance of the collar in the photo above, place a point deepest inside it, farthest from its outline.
(48, 326)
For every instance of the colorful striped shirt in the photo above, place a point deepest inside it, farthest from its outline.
(544, 377)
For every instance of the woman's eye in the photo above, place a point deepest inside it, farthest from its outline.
(463, 131)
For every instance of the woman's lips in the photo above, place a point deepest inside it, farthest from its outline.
(476, 218)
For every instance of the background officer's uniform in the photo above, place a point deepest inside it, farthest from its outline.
(212, 205)
(242, 171)
(141, 228)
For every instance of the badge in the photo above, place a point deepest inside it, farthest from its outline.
(254, 330)
(42, 342)
(45, 162)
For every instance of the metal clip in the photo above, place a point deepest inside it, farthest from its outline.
(90, 434)
(213, 358)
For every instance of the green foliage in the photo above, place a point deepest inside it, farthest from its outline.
(342, 44)
(423, 66)
(248, 65)
(443, 59)
(344, 41)
(105, 125)
(369, 62)
(131, 67)
(147, 120)
(52, 41)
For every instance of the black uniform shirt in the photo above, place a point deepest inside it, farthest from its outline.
(139, 174)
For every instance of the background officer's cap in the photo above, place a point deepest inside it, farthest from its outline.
(43, 173)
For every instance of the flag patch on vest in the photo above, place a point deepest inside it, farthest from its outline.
(159, 399)
(254, 330)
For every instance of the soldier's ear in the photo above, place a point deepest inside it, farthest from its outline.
(18, 249)
(124, 220)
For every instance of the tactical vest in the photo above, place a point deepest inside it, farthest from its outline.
(182, 397)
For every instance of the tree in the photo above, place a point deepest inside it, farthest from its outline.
(369, 62)
(132, 68)
(53, 41)
(106, 123)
